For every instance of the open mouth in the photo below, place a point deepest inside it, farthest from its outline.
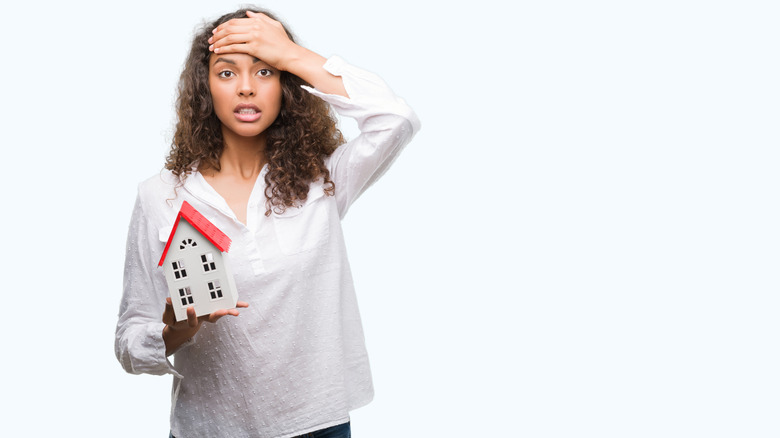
(247, 113)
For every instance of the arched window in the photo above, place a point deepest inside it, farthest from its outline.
(188, 243)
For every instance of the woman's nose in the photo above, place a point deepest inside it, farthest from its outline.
(246, 87)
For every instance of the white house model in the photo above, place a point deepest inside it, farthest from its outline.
(196, 265)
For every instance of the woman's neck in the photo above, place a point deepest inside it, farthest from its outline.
(242, 157)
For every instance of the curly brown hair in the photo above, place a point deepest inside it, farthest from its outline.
(298, 141)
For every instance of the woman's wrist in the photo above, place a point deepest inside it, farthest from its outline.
(174, 338)
(294, 59)
(308, 66)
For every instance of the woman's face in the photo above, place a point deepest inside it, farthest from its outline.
(247, 93)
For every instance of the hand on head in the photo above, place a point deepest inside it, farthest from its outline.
(257, 35)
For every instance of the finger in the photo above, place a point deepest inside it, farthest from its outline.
(233, 38)
(235, 48)
(242, 304)
(215, 316)
(168, 316)
(260, 15)
(232, 30)
(192, 320)
(231, 26)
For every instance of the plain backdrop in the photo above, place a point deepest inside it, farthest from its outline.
(582, 241)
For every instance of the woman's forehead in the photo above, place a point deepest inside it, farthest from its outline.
(235, 59)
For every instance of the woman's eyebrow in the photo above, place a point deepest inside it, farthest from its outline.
(230, 61)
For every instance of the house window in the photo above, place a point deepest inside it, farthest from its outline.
(188, 243)
(215, 289)
(178, 269)
(208, 262)
(186, 295)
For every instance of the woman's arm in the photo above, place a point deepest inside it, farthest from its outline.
(387, 124)
(265, 39)
(147, 332)
(139, 343)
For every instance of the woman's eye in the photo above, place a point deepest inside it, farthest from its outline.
(225, 74)
(265, 72)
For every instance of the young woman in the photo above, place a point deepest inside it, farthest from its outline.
(257, 152)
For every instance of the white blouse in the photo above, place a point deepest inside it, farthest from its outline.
(295, 360)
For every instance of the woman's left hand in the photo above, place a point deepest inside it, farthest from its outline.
(257, 35)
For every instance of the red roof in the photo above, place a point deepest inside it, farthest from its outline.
(206, 228)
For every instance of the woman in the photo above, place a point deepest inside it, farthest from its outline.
(257, 152)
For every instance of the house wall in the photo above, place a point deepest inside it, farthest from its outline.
(196, 278)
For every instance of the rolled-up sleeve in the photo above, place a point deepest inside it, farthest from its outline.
(139, 345)
(386, 124)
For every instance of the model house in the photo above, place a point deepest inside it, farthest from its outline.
(196, 265)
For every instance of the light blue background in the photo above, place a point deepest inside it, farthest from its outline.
(581, 242)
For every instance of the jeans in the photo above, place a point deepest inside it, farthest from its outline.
(339, 431)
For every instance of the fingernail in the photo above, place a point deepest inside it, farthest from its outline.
(211, 40)
(214, 30)
(216, 50)
(211, 47)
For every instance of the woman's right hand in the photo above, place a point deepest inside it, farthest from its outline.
(264, 38)
(176, 333)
